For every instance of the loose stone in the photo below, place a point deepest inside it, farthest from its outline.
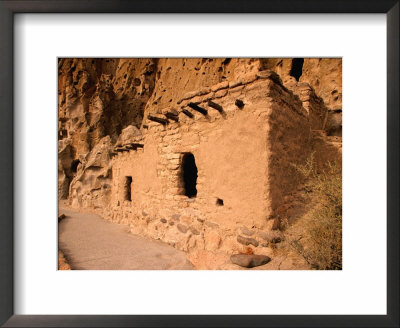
(249, 260)
(247, 241)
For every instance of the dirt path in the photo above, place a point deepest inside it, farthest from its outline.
(91, 243)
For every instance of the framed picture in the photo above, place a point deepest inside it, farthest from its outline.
(215, 128)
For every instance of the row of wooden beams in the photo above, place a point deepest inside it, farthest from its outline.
(187, 113)
(134, 146)
(174, 115)
(160, 120)
(137, 145)
(119, 150)
(216, 106)
(198, 108)
(127, 147)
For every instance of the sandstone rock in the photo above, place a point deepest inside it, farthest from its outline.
(234, 84)
(194, 230)
(247, 241)
(182, 228)
(236, 91)
(220, 86)
(204, 91)
(212, 240)
(267, 75)
(92, 183)
(163, 220)
(248, 78)
(129, 134)
(190, 94)
(221, 93)
(176, 217)
(246, 231)
(325, 76)
(249, 261)
(211, 224)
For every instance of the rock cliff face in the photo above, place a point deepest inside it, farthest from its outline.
(99, 98)
(324, 75)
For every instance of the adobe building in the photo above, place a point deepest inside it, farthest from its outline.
(214, 171)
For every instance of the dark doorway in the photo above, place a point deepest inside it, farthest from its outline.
(74, 165)
(297, 68)
(189, 171)
(128, 188)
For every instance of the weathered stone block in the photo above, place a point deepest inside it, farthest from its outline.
(233, 84)
(249, 260)
(176, 217)
(219, 86)
(211, 224)
(247, 241)
(221, 93)
(204, 91)
(237, 89)
(246, 231)
(189, 95)
(182, 228)
(194, 230)
(248, 78)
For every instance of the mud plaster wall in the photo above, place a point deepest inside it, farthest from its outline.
(243, 157)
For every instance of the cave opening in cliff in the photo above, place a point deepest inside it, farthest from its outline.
(74, 165)
(128, 188)
(297, 68)
(189, 175)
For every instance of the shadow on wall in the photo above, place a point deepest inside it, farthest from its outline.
(291, 143)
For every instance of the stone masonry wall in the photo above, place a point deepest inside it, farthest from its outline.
(244, 153)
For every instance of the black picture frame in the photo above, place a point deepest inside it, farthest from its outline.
(7, 11)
